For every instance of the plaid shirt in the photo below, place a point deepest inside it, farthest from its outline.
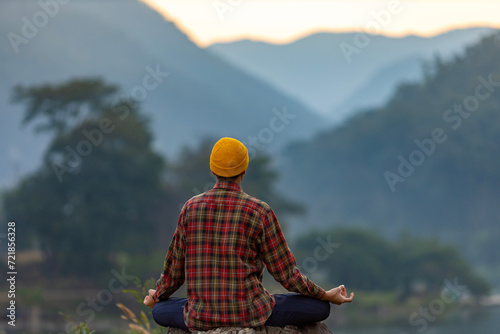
(223, 239)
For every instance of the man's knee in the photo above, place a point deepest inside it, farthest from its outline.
(155, 312)
(324, 310)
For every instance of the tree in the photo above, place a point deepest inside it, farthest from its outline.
(365, 261)
(102, 192)
(100, 184)
(428, 262)
(361, 260)
(437, 142)
(59, 104)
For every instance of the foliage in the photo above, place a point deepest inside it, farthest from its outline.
(409, 266)
(98, 187)
(81, 327)
(140, 324)
(452, 190)
(103, 195)
(59, 104)
(141, 289)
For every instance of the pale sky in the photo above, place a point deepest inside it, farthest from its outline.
(281, 21)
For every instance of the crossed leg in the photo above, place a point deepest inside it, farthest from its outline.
(290, 309)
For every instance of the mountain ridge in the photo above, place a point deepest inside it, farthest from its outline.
(202, 96)
(315, 69)
(425, 163)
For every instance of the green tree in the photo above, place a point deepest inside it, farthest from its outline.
(430, 263)
(426, 161)
(98, 191)
(366, 261)
(59, 105)
(361, 261)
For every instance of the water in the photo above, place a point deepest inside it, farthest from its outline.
(488, 324)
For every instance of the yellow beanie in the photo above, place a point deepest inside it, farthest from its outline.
(229, 157)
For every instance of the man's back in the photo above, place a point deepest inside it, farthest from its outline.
(223, 270)
(222, 242)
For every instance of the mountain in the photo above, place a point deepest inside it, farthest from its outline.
(336, 74)
(187, 92)
(426, 163)
(379, 87)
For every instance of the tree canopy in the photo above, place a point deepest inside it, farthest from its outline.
(98, 188)
(58, 105)
(426, 162)
(102, 192)
(366, 261)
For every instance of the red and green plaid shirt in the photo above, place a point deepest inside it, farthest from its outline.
(222, 242)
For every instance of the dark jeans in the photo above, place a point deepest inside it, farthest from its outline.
(290, 309)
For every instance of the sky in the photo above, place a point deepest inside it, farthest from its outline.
(282, 21)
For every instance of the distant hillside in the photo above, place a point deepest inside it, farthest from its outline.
(427, 162)
(315, 70)
(123, 42)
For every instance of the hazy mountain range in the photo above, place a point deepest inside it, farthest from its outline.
(337, 74)
(201, 92)
(289, 99)
(426, 162)
(197, 95)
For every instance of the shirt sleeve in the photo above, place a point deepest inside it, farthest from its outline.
(173, 274)
(280, 261)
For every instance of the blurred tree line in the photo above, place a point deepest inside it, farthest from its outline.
(362, 259)
(104, 198)
(385, 169)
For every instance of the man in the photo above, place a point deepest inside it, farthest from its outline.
(222, 242)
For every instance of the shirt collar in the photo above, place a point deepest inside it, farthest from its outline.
(227, 185)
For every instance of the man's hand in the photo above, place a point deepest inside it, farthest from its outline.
(338, 295)
(148, 300)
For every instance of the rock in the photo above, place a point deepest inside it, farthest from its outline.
(318, 328)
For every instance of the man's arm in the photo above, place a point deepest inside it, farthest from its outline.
(173, 273)
(280, 261)
(281, 264)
